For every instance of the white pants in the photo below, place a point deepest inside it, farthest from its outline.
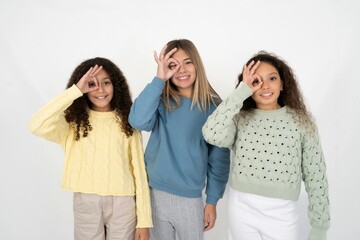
(254, 217)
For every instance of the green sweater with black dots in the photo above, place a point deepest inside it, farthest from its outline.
(273, 153)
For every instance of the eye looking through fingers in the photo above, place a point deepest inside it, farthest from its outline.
(91, 84)
(172, 66)
(255, 82)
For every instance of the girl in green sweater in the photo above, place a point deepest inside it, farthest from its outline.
(276, 146)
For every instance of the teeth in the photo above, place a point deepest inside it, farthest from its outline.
(182, 78)
(266, 94)
(101, 97)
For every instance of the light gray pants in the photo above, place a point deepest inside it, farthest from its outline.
(176, 217)
(104, 217)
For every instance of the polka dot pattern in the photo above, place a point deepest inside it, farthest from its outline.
(272, 153)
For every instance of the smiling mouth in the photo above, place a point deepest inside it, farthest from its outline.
(183, 77)
(266, 95)
(101, 97)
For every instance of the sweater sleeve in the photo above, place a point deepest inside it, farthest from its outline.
(217, 173)
(143, 113)
(143, 207)
(220, 128)
(316, 185)
(49, 122)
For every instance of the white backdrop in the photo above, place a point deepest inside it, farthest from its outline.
(42, 41)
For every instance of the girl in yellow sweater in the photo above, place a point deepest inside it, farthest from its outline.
(104, 164)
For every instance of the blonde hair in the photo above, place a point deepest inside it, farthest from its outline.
(203, 93)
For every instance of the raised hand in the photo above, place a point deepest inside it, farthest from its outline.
(167, 66)
(253, 80)
(88, 82)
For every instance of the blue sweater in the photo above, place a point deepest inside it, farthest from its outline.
(178, 159)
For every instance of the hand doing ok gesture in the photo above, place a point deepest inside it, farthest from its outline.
(164, 72)
(88, 82)
(252, 79)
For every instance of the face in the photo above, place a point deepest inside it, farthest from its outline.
(266, 98)
(101, 97)
(185, 77)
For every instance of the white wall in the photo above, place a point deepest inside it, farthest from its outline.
(42, 41)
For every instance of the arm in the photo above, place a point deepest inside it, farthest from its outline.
(316, 185)
(49, 122)
(143, 207)
(220, 128)
(217, 173)
(217, 177)
(143, 113)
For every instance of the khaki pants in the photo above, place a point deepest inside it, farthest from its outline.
(103, 217)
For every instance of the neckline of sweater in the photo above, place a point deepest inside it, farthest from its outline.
(271, 112)
(101, 114)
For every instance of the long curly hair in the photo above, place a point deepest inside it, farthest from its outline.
(291, 95)
(78, 112)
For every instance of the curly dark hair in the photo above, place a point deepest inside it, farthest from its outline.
(291, 94)
(121, 102)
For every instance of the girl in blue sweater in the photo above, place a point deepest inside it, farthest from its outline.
(179, 162)
(276, 146)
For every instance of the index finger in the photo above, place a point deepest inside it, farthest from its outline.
(254, 67)
(168, 55)
(96, 70)
(88, 72)
(162, 52)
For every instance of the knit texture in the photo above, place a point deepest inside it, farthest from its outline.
(106, 162)
(273, 152)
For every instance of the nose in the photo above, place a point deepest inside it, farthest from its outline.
(182, 67)
(265, 84)
(101, 88)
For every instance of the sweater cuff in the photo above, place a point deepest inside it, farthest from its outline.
(144, 224)
(74, 91)
(243, 91)
(212, 200)
(317, 233)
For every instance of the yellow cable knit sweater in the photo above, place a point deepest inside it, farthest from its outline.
(106, 162)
